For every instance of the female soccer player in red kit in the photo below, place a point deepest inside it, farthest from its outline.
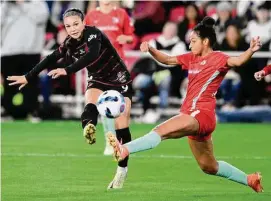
(262, 73)
(206, 69)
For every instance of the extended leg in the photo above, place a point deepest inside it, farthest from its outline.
(203, 152)
(178, 126)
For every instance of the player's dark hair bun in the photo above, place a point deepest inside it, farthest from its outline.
(205, 29)
(208, 22)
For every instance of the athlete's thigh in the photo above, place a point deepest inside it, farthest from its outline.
(178, 126)
(203, 151)
(92, 94)
(124, 119)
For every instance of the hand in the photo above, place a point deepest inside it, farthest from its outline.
(57, 73)
(259, 75)
(144, 47)
(255, 44)
(17, 80)
(122, 39)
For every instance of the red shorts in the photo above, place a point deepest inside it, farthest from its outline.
(207, 123)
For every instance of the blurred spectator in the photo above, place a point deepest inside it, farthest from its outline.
(233, 40)
(114, 22)
(156, 76)
(149, 17)
(246, 9)
(239, 86)
(170, 5)
(224, 10)
(230, 86)
(261, 26)
(192, 18)
(23, 29)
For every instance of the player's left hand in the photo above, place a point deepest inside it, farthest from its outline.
(122, 39)
(255, 44)
(57, 73)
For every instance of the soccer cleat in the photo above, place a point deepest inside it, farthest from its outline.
(119, 179)
(120, 151)
(254, 181)
(89, 133)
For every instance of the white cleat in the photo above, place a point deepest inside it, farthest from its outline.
(119, 179)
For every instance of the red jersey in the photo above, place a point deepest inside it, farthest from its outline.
(267, 70)
(204, 77)
(113, 24)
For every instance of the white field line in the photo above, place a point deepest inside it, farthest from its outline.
(70, 155)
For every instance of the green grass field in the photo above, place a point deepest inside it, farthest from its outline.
(50, 161)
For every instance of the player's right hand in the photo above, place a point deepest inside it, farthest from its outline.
(255, 44)
(17, 80)
(259, 75)
(144, 47)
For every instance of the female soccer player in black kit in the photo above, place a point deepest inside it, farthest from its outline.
(87, 47)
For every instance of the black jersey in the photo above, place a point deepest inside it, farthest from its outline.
(94, 52)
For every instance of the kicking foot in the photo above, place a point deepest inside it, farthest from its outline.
(254, 181)
(89, 133)
(120, 151)
(119, 179)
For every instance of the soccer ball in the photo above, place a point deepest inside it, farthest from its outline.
(111, 104)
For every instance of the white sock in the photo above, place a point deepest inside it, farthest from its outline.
(122, 169)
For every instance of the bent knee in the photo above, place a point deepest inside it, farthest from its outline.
(208, 168)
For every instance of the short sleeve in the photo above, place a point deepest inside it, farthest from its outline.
(184, 60)
(222, 59)
(267, 70)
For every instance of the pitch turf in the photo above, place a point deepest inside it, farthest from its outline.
(50, 161)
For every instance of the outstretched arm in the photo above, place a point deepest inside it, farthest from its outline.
(255, 45)
(45, 63)
(93, 54)
(158, 55)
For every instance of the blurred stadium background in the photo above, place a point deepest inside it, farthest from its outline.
(43, 153)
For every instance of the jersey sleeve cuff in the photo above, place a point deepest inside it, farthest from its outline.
(28, 77)
(68, 70)
(267, 70)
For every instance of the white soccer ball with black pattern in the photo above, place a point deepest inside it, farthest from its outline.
(111, 104)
